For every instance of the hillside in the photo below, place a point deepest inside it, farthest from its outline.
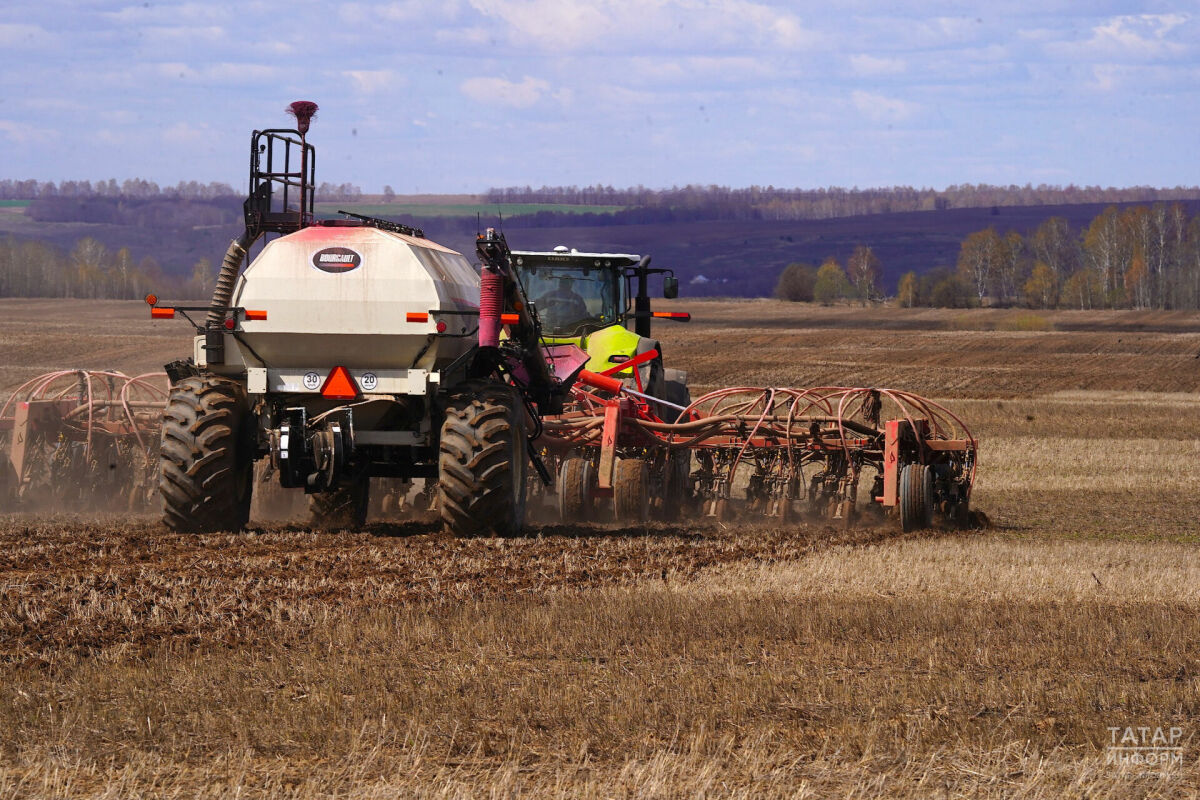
(712, 258)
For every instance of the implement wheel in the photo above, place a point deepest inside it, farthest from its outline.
(482, 463)
(206, 465)
(631, 490)
(576, 482)
(343, 507)
(916, 497)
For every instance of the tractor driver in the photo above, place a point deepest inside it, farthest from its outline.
(563, 305)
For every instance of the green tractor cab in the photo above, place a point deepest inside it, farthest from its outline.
(590, 299)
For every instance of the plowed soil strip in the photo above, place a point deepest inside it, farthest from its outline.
(78, 586)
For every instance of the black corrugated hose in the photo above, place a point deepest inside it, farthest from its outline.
(227, 278)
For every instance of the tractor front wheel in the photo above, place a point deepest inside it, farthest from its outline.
(206, 465)
(482, 461)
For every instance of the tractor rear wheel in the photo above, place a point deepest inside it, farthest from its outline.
(343, 507)
(916, 497)
(206, 470)
(576, 483)
(631, 490)
(483, 461)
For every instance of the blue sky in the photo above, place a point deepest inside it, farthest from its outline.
(460, 95)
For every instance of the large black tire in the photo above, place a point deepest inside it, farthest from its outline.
(916, 497)
(576, 485)
(483, 461)
(631, 490)
(206, 463)
(342, 508)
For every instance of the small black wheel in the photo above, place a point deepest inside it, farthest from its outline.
(631, 490)
(916, 497)
(576, 486)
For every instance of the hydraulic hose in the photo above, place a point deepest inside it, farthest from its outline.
(227, 278)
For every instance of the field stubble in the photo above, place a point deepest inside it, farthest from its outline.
(698, 659)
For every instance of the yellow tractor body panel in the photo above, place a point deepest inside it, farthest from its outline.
(601, 345)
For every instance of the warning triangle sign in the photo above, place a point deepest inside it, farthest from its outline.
(340, 385)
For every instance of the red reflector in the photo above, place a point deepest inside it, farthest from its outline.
(230, 324)
(152, 299)
(162, 313)
(510, 319)
(340, 385)
(258, 316)
(441, 327)
(417, 316)
(673, 315)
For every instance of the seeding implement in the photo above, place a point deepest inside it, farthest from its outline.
(82, 439)
(783, 450)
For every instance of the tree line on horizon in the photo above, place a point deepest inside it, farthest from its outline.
(1140, 257)
(1144, 256)
(642, 204)
(771, 203)
(93, 271)
(139, 189)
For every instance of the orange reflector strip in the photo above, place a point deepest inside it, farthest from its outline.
(258, 316)
(340, 385)
(162, 313)
(510, 319)
(417, 316)
(672, 314)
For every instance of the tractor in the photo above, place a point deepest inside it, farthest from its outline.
(600, 302)
(591, 299)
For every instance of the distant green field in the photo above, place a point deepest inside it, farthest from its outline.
(14, 203)
(458, 210)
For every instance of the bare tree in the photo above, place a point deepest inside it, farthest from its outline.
(864, 272)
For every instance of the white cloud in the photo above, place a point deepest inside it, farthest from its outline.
(169, 13)
(372, 81)
(709, 69)
(222, 72)
(566, 26)
(24, 133)
(879, 108)
(1143, 35)
(359, 13)
(867, 66)
(176, 35)
(186, 135)
(499, 91)
(22, 35)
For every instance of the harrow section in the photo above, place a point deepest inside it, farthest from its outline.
(82, 439)
(776, 452)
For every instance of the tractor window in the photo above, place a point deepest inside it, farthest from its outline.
(571, 302)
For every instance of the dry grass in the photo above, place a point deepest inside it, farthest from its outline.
(930, 668)
(694, 660)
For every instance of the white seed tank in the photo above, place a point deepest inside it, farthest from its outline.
(343, 295)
